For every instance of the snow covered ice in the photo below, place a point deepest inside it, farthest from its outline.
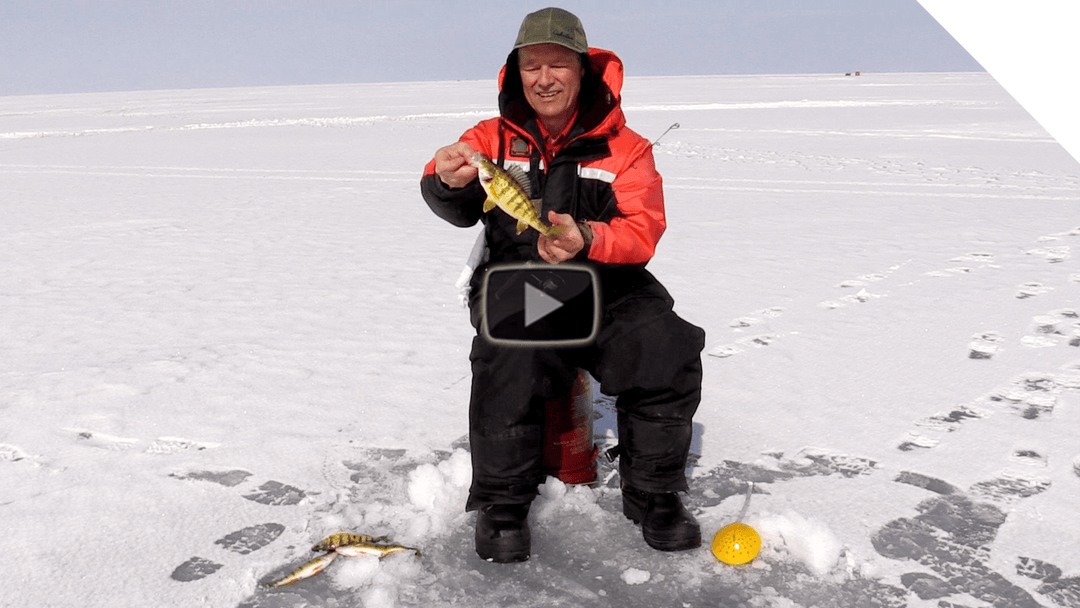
(230, 328)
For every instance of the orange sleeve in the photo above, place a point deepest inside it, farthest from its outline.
(639, 194)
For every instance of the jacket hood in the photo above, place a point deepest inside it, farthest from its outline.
(600, 100)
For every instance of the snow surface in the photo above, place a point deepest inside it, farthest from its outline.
(230, 328)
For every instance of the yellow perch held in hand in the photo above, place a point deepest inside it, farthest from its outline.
(508, 189)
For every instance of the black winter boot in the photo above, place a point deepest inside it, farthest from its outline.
(502, 533)
(665, 522)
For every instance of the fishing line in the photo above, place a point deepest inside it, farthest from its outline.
(746, 502)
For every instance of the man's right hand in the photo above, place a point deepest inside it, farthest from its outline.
(452, 165)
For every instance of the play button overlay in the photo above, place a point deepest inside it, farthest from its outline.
(540, 305)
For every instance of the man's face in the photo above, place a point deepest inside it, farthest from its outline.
(551, 75)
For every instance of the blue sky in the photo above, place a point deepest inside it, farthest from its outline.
(72, 46)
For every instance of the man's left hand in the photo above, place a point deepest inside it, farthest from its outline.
(565, 246)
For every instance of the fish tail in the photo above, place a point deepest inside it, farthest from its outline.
(555, 231)
(401, 548)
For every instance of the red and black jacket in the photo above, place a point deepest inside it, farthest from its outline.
(603, 175)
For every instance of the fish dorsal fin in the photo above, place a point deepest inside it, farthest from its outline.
(518, 174)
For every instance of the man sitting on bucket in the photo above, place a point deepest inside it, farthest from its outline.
(561, 121)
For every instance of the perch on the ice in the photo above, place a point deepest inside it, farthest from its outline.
(347, 544)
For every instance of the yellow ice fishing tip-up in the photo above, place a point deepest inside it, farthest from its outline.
(736, 544)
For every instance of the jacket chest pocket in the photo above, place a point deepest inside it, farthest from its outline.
(583, 192)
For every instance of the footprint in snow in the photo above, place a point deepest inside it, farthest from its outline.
(1063, 591)
(114, 443)
(729, 479)
(985, 345)
(812, 461)
(244, 541)
(757, 317)
(1038, 341)
(1059, 235)
(275, 493)
(1030, 290)
(1030, 457)
(951, 420)
(980, 259)
(1053, 328)
(272, 493)
(1031, 396)
(915, 441)
(949, 537)
(983, 258)
(1052, 325)
(195, 569)
(251, 538)
(102, 441)
(948, 272)
(727, 350)
(861, 297)
(1010, 486)
(1054, 255)
(926, 482)
(173, 445)
(11, 453)
(942, 422)
(229, 479)
(952, 536)
(862, 281)
(371, 475)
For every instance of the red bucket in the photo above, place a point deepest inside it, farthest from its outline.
(569, 450)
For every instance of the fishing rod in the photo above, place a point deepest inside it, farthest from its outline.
(654, 142)
(673, 126)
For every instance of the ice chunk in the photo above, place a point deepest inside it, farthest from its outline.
(633, 576)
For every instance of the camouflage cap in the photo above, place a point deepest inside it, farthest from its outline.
(555, 26)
